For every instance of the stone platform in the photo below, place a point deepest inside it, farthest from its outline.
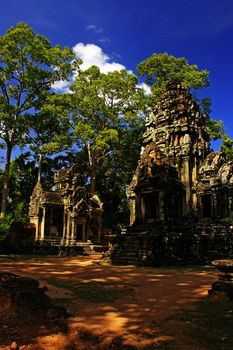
(224, 286)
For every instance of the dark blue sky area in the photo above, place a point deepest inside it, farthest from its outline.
(128, 31)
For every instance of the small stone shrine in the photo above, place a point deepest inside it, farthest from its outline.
(181, 195)
(223, 288)
(68, 214)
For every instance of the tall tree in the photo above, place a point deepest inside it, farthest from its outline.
(161, 68)
(102, 105)
(29, 65)
(50, 129)
(227, 147)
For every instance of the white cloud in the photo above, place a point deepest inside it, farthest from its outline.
(95, 28)
(145, 87)
(104, 39)
(92, 54)
(61, 86)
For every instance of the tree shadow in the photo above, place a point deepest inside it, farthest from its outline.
(116, 307)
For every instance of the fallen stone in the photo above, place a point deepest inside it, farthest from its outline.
(22, 295)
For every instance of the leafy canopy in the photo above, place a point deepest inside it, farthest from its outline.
(227, 147)
(29, 66)
(102, 104)
(161, 68)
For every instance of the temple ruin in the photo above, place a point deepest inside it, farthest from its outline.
(67, 215)
(181, 195)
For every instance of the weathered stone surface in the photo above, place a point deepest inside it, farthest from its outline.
(224, 286)
(20, 238)
(181, 195)
(68, 214)
(22, 295)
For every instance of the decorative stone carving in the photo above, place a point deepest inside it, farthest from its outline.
(224, 286)
(68, 214)
(181, 192)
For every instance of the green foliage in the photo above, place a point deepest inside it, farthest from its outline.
(29, 65)
(23, 174)
(23, 177)
(102, 105)
(227, 146)
(5, 224)
(215, 128)
(115, 174)
(159, 69)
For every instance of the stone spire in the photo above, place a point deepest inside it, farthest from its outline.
(177, 126)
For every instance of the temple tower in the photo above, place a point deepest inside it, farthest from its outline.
(181, 194)
(178, 128)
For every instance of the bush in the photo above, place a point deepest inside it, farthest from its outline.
(5, 225)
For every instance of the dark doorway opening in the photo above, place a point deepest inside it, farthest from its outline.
(151, 206)
(79, 232)
(206, 206)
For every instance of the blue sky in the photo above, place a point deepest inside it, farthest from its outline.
(126, 32)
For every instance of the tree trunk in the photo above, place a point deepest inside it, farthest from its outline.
(93, 165)
(6, 181)
(39, 168)
(93, 178)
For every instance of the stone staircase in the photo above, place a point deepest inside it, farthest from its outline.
(134, 246)
(152, 244)
(215, 241)
(160, 244)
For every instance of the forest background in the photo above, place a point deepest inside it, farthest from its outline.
(97, 119)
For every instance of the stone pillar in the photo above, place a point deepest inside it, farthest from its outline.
(68, 228)
(36, 222)
(195, 202)
(64, 227)
(73, 231)
(214, 206)
(194, 172)
(161, 205)
(133, 210)
(42, 225)
(186, 181)
(143, 208)
(230, 206)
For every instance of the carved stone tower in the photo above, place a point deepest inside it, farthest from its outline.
(181, 194)
(177, 127)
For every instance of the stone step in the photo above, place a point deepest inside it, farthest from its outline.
(125, 261)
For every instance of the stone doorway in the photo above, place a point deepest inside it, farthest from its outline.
(150, 206)
(80, 232)
(206, 206)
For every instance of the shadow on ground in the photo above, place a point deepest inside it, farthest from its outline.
(124, 307)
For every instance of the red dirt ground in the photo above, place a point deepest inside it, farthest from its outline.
(137, 319)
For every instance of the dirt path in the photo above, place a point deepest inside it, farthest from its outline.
(113, 307)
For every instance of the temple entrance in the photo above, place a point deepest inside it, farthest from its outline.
(79, 232)
(53, 221)
(207, 206)
(150, 206)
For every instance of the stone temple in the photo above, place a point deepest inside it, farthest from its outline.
(181, 195)
(68, 215)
